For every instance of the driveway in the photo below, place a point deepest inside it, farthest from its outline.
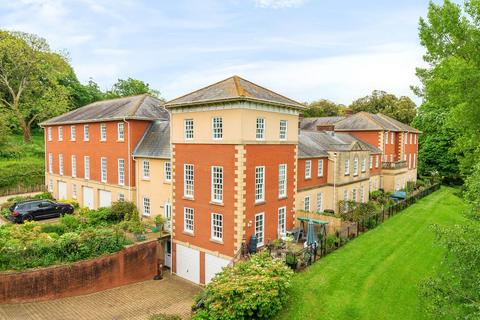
(138, 301)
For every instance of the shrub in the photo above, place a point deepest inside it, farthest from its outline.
(124, 210)
(53, 228)
(70, 222)
(253, 289)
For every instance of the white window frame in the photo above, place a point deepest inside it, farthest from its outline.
(146, 204)
(377, 161)
(354, 195)
(308, 169)
(260, 128)
(74, 191)
(414, 160)
(121, 171)
(60, 164)
(103, 169)
(145, 169)
(409, 161)
(320, 168)
(60, 133)
(282, 222)
(188, 180)
(73, 133)
(385, 137)
(307, 206)
(282, 180)
(392, 137)
(362, 194)
(355, 166)
(74, 165)
(320, 202)
(364, 164)
(167, 170)
(188, 129)
(217, 184)
(371, 162)
(49, 133)
(217, 128)
(188, 220)
(347, 167)
(86, 167)
(50, 185)
(216, 227)
(259, 184)
(410, 138)
(103, 132)
(260, 229)
(415, 139)
(50, 162)
(120, 131)
(86, 132)
(405, 138)
(121, 196)
(283, 130)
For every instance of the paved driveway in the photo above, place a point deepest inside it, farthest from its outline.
(172, 295)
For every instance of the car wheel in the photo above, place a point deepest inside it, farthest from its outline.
(28, 217)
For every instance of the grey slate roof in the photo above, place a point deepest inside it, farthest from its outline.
(233, 89)
(365, 121)
(312, 123)
(315, 144)
(155, 142)
(141, 107)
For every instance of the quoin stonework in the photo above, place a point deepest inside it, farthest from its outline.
(223, 163)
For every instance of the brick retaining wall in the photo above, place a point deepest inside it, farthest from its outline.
(132, 264)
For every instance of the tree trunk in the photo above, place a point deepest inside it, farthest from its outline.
(27, 135)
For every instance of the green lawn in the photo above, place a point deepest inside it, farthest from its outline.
(376, 275)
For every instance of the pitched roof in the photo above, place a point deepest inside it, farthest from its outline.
(312, 123)
(231, 89)
(155, 142)
(141, 107)
(403, 126)
(313, 144)
(365, 121)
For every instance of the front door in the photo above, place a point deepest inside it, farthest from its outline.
(62, 190)
(168, 254)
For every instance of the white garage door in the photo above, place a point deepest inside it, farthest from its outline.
(88, 197)
(188, 263)
(213, 265)
(62, 190)
(105, 198)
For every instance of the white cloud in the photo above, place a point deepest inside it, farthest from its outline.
(279, 4)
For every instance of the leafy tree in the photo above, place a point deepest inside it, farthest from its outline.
(30, 76)
(81, 94)
(130, 87)
(402, 109)
(323, 108)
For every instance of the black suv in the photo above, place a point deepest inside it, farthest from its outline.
(38, 209)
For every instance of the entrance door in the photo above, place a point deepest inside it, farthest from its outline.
(88, 197)
(62, 190)
(168, 254)
(105, 199)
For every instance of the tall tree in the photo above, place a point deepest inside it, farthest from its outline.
(323, 108)
(29, 79)
(402, 109)
(130, 87)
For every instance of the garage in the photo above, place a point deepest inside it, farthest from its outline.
(88, 197)
(62, 190)
(105, 198)
(213, 265)
(188, 263)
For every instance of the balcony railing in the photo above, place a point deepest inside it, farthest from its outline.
(394, 165)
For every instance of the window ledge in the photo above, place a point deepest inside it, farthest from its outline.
(218, 241)
(188, 198)
(217, 203)
(282, 197)
(258, 203)
(188, 233)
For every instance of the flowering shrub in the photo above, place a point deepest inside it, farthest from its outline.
(253, 289)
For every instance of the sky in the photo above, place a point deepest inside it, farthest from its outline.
(304, 49)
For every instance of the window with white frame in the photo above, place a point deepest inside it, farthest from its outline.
(167, 168)
(409, 161)
(74, 166)
(103, 169)
(283, 130)
(60, 133)
(50, 162)
(260, 129)
(259, 184)
(60, 164)
(415, 139)
(392, 136)
(362, 194)
(188, 180)
(168, 210)
(217, 128)
(188, 129)
(320, 168)
(121, 172)
(86, 132)
(73, 133)
(217, 227)
(405, 137)
(386, 137)
(364, 164)
(282, 217)
(49, 133)
(74, 191)
(145, 169)
(188, 220)
(282, 180)
(377, 160)
(320, 202)
(391, 158)
(355, 166)
(121, 197)
(86, 167)
(347, 167)
(306, 204)
(345, 199)
(217, 184)
(371, 162)
(414, 160)
(146, 206)
(308, 169)
(50, 185)
(410, 138)
(259, 228)
(103, 132)
(120, 131)
(354, 195)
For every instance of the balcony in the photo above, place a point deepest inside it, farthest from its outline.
(394, 165)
